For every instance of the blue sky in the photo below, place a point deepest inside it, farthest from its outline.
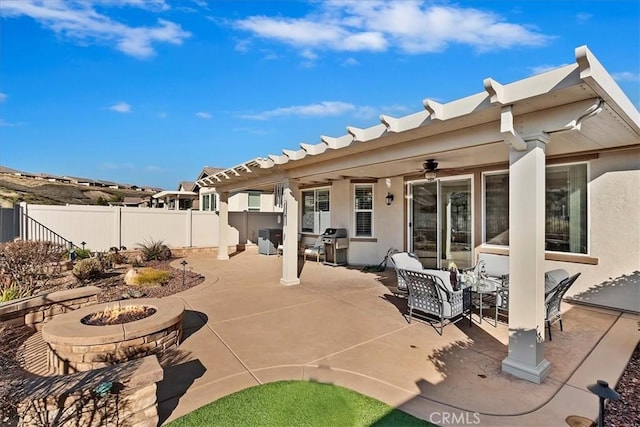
(148, 92)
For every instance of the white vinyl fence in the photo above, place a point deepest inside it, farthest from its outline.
(103, 227)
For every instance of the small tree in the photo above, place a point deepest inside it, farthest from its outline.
(28, 266)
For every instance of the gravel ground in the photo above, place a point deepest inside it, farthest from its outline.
(113, 287)
(626, 411)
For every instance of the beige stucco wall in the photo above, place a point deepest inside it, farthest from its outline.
(388, 221)
(614, 224)
(614, 220)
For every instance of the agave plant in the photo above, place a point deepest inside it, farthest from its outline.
(155, 250)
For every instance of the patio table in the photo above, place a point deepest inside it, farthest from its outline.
(484, 290)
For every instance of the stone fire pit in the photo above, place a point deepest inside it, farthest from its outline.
(75, 346)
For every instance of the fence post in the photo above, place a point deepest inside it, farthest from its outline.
(189, 227)
(24, 214)
(118, 226)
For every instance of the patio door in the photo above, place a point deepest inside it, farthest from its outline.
(440, 222)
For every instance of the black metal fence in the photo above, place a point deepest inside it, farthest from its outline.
(9, 224)
(15, 224)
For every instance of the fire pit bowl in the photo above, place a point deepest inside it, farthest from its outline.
(77, 346)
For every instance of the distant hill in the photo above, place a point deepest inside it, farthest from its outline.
(16, 189)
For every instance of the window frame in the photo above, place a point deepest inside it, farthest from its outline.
(547, 166)
(315, 191)
(356, 210)
(251, 208)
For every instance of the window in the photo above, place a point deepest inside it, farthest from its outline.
(496, 209)
(209, 202)
(566, 208)
(316, 214)
(363, 210)
(254, 201)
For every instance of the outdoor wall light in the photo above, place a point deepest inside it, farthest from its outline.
(389, 199)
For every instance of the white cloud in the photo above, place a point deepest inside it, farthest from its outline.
(626, 76)
(251, 131)
(539, 69)
(121, 107)
(350, 62)
(116, 166)
(583, 18)
(3, 97)
(412, 27)
(78, 20)
(203, 115)
(6, 124)
(322, 109)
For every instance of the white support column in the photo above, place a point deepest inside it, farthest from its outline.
(290, 235)
(223, 226)
(526, 261)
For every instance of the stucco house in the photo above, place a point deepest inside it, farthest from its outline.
(248, 200)
(545, 169)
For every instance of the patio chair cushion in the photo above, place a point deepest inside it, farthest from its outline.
(553, 278)
(409, 261)
(445, 276)
(494, 265)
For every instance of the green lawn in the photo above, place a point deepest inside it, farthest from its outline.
(297, 403)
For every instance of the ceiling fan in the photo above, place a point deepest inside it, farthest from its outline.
(430, 169)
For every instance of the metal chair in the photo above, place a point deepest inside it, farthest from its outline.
(428, 294)
(317, 250)
(403, 261)
(502, 300)
(553, 301)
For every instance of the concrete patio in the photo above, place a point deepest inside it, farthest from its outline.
(343, 326)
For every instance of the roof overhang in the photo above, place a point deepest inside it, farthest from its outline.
(579, 106)
(176, 194)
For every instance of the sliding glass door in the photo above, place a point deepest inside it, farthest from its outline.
(440, 222)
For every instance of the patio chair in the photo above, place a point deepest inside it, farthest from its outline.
(502, 300)
(317, 250)
(430, 295)
(553, 301)
(552, 279)
(403, 261)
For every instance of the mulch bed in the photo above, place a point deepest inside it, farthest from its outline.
(626, 411)
(113, 288)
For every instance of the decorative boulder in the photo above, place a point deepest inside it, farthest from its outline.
(130, 277)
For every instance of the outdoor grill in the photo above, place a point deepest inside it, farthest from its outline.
(336, 244)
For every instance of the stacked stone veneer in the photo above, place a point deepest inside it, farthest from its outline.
(75, 346)
(73, 400)
(35, 311)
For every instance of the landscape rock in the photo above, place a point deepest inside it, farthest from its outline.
(130, 276)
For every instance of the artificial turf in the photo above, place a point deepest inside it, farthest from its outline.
(297, 403)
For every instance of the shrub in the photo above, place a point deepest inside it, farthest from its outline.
(155, 250)
(152, 276)
(13, 292)
(87, 269)
(28, 266)
(82, 253)
(115, 258)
